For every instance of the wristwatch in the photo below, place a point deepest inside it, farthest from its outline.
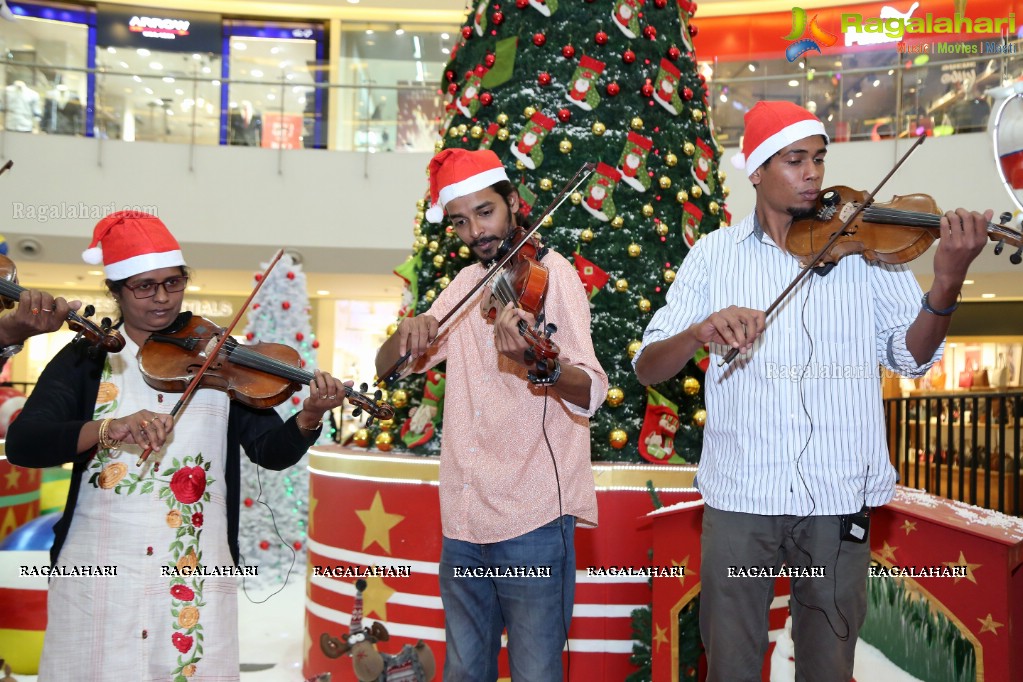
(11, 350)
(549, 379)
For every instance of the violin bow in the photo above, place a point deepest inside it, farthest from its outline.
(394, 371)
(812, 262)
(215, 351)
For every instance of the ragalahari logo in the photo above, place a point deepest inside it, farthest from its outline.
(807, 35)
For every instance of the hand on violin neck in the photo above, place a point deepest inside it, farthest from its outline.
(508, 340)
(37, 313)
(325, 393)
(964, 234)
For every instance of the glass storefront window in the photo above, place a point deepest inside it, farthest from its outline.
(45, 75)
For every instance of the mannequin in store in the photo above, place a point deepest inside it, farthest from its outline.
(246, 126)
(23, 107)
(62, 112)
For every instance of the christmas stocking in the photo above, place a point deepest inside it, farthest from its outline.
(666, 87)
(583, 93)
(625, 16)
(469, 99)
(527, 147)
(527, 200)
(702, 357)
(419, 428)
(702, 160)
(489, 135)
(632, 165)
(657, 436)
(598, 201)
(691, 218)
(545, 7)
(593, 277)
(686, 9)
(409, 272)
(479, 22)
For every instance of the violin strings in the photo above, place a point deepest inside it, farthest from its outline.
(917, 219)
(254, 360)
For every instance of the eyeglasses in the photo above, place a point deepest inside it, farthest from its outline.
(147, 288)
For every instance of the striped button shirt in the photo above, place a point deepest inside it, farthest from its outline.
(796, 426)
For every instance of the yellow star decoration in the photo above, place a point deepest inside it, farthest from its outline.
(661, 637)
(378, 524)
(375, 596)
(989, 624)
(683, 564)
(908, 526)
(969, 568)
(888, 552)
(12, 477)
(312, 512)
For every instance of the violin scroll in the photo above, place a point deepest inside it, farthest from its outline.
(374, 407)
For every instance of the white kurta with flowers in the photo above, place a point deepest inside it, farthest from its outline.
(157, 619)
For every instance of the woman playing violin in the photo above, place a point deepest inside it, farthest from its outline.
(161, 617)
(506, 499)
(794, 444)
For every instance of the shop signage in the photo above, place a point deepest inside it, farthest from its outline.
(157, 29)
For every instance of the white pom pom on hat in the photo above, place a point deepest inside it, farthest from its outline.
(772, 126)
(129, 243)
(455, 173)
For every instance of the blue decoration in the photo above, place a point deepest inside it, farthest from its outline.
(35, 535)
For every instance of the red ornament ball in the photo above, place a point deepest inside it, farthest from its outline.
(647, 90)
(674, 53)
(467, 32)
(522, 4)
(703, 79)
(687, 93)
(564, 115)
(299, 336)
(449, 75)
(539, 39)
(660, 4)
(486, 99)
(568, 52)
(480, 70)
(291, 275)
(650, 32)
(255, 306)
(258, 276)
(315, 344)
(297, 545)
(249, 502)
(601, 38)
(249, 336)
(613, 88)
(489, 60)
(295, 400)
(498, 18)
(264, 545)
(628, 56)
(544, 79)
(286, 305)
(693, 30)
(452, 88)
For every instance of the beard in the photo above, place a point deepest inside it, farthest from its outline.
(798, 213)
(481, 247)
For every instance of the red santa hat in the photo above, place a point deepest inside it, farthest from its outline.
(129, 243)
(455, 173)
(772, 126)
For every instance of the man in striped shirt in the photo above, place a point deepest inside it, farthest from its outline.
(794, 451)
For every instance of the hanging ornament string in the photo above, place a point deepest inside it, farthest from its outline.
(214, 352)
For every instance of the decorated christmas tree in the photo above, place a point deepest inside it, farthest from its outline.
(548, 86)
(275, 504)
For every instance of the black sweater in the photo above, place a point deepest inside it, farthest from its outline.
(46, 432)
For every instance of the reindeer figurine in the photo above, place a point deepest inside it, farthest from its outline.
(412, 664)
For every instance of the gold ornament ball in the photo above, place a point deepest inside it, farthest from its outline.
(586, 235)
(691, 385)
(663, 229)
(476, 132)
(598, 128)
(443, 282)
(617, 222)
(528, 112)
(725, 191)
(546, 184)
(453, 131)
(697, 115)
(700, 418)
(361, 438)
(671, 160)
(669, 275)
(399, 398)
(682, 196)
(386, 425)
(636, 123)
(462, 128)
(438, 261)
(565, 146)
(622, 285)
(648, 210)
(644, 305)
(633, 348)
(421, 205)
(464, 252)
(383, 441)
(548, 221)
(695, 192)
(438, 146)
(430, 294)
(689, 149)
(615, 396)
(713, 207)
(391, 328)
(433, 245)
(576, 198)
(503, 134)
(519, 166)
(420, 215)
(618, 439)
(502, 119)
(665, 182)
(721, 176)
(634, 250)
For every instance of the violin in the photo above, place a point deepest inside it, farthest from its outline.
(261, 375)
(523, 281)
(101, 335)
(895, 231)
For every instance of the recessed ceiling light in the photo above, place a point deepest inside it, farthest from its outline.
(143, 52)
(967, 281)
(95, 273)
(988, 295)
(322, 292)
(194, 287)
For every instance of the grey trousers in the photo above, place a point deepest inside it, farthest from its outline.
(827, 610)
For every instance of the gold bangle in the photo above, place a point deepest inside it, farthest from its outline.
(104, 442)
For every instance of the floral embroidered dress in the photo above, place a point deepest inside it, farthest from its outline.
(164, 527)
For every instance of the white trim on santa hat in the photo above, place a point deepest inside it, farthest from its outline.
(781, 139)
(130, 267)
(475, 183)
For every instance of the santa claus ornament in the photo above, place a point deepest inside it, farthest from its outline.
(584, 92)
(632, 164)
(625, 16)
(527, 147)
(468, 101)
(702, 160)
(666, 87)
(544, 7)
(598, 201)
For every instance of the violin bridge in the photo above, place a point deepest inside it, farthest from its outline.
(209, 346)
